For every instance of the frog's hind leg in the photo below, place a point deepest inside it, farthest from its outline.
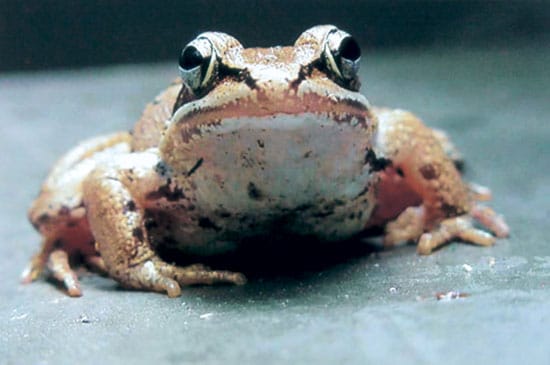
(449, 206)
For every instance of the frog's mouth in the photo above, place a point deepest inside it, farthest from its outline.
(263, 162)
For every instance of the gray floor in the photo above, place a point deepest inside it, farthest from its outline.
(352, 307)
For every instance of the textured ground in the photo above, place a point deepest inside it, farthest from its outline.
(351, 307)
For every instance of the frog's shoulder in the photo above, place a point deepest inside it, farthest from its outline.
(149, 127)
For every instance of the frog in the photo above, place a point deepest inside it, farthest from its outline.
(245, 143)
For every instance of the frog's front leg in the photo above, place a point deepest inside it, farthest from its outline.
(421, 166)
(115, 200)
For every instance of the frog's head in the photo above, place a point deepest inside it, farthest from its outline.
(252, 116)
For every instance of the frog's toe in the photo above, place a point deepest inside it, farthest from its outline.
(491, 220)
(480, 192)
(34, 269)
(58, 265)
(199, 274)
(408, 226)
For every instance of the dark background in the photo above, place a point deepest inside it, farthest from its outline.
(53, 34)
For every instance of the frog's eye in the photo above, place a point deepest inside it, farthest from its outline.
(197, 63)
(342, 55)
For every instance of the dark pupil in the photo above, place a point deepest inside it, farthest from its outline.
(190, 58)
(349, 49)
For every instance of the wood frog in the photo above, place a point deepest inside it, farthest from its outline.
(247, 142)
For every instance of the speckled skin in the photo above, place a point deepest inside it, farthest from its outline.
(276, 141)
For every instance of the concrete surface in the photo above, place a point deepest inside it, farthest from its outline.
(343, 306)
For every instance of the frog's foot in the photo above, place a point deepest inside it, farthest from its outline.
(157, 275)
(409, 226)
(56, 264)
(53, 261)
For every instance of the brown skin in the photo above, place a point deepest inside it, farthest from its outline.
(269, 131)
(427, 173)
